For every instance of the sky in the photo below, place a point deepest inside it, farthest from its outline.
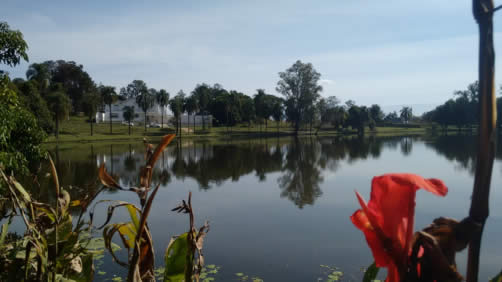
(392, 52)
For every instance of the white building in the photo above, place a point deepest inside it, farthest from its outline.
(154, 114)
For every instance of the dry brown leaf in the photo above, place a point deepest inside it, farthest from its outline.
(54, 175)
(146, 173)
(106, 179)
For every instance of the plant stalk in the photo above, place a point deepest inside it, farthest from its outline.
(479, 211)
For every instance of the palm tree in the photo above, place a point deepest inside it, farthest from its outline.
(90, 103)
(41, 74)
(162, 98)
(59, 104)
(145, 101)
(191, 108)
(128, 114)
(406, 114)
(109, 97)
(176, 106)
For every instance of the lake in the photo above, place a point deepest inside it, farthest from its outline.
(279, 208)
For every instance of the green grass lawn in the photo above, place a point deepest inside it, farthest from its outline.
(76, 129)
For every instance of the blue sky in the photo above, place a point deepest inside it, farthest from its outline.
(391, 52)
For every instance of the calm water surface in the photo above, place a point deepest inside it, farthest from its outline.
(279, 208)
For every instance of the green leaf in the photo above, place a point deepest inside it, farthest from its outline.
(176, 258)
(371, 273)
(134, 215)
(5, 227)
(497, 278)
(21, 190)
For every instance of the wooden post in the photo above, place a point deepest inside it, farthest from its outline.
(483, 13)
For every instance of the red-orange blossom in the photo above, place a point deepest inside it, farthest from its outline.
(387, 219)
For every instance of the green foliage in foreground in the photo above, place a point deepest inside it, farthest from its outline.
(371, 273)
(12, 46)
(53, 247)
(20, 135)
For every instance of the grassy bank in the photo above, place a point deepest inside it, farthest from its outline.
(77, 130)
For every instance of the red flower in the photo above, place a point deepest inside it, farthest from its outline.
(387, 220)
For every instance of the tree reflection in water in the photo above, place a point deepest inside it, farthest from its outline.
(298, 163)
(302, 174)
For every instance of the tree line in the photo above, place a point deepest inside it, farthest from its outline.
(461, 111)
(55, 89)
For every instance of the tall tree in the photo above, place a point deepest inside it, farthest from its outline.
(202, 93)
(248, 110)
(358, 117)
(90, 104)
(391, 117)
(30, 96)
(191, 108)
(128, 114)
(263, 104)
(406, 114)
(12, 46)
(278, 112)
(340, 116)
(176, 106)
(40, 74)
(59, 104)
(234, 108)
(145, 101)
(75, 81)
(376, 113)
(471, 93)
(109, 97)
(468, 103)
(332, 101)
(323, 110)
(349, 104)
(299, 85)
(162, 98)
(134, 89)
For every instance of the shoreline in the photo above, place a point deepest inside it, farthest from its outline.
(76, 130)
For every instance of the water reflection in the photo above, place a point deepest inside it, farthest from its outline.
(299, 163)
(301, 172)
(210, 164)
(406, 145)
(460, 149)
(285, 186)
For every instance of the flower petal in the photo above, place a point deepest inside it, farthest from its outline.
(387, 220)
(362, 222)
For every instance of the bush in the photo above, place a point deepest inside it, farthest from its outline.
(20, 135)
